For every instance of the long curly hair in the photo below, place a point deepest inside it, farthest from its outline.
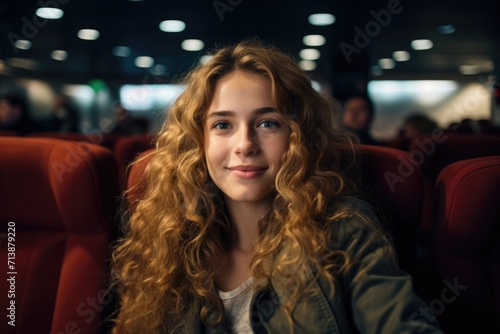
(165, 265)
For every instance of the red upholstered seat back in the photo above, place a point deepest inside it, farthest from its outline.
(126, 150)
(397, 189)
(466, 242)
(439, 152)
(62, 198)
(97, 137)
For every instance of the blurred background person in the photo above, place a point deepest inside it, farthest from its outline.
(14, 115)
(414, 125)
(65, 117)
(125, 124)
(358, 114)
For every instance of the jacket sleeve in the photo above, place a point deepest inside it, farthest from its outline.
(380, 294)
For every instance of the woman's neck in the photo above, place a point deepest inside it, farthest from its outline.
(244, 218)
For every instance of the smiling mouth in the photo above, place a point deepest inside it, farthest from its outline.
(247, 172)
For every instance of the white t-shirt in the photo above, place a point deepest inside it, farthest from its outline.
(237, 308)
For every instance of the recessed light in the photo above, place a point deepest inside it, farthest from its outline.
(309, 54)
(422, 44)
(386, 63)
(172, 26)
(59, 55)
(321, 19)
(22, 44)
(314, 40)
(192, 45)
(88, 34)
(49, 13)
(308, 65)
(144, 62)
(446, 29)
(121, 51)
(401, 55)
(205, 59)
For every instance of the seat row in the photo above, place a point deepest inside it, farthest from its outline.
(61, 199)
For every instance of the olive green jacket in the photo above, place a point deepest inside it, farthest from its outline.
(374, 297)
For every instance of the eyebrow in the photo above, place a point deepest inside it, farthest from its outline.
(229, 113)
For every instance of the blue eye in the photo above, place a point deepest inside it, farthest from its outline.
(221, 125)
(269, 124)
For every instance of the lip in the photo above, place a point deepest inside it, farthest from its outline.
(247, 171)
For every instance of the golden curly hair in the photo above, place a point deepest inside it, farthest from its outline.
(165, 265)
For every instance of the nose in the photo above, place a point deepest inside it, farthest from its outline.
(246, 141)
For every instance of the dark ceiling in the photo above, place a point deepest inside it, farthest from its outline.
(136, 24)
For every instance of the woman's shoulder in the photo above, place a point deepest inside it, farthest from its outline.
(354, 220)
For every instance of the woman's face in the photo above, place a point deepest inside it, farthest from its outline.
(245, 137)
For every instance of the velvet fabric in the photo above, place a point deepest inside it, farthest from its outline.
(443, 150)
(62, 197)
(126, 150)
(398, 192)
(466, 244)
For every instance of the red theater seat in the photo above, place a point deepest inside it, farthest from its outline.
(126, 150)
(398, 190)
(466, 243)
(435, 153)
(61, 196)
(95, 137)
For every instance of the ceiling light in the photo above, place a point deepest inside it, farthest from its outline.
(88, 34)
(121, 51)
(49, 13)
(205, 59)
(59, 55)
(321, 19)
(22, 44)
(192, 45)
(314, 40)
(144, 62)
(309, 54)
(422, 44)
(386, 63)
(446, 29)
(308, 65)
(172, 26)
(401, 55)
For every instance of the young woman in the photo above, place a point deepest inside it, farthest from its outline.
(247, 221)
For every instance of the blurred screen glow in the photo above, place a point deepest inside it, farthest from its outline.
(445, 101)
(149, 97)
